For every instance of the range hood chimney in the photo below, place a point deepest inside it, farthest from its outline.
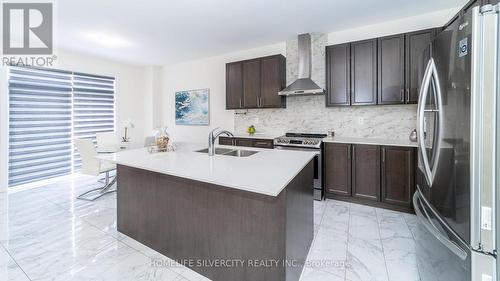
(303, 85)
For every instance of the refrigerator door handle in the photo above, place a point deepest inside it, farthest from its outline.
(436, 86)
(422, 98)
(430, 79)
(423, 217)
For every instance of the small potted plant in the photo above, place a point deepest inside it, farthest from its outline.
(251, 130)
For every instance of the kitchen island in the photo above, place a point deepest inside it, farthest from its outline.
(226, 217)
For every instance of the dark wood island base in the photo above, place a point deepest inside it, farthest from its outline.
(220, 232)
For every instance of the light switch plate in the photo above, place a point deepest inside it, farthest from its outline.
(486, 218)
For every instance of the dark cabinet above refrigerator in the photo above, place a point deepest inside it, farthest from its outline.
(384, 70)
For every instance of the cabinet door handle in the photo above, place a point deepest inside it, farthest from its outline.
(407, 94)
(261, 102)
(383, 155)
(402, 94)
(241, 105)
(349, 152)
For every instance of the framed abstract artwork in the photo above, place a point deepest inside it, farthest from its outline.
(192, 107)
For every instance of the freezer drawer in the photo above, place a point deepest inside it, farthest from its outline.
(441, 255)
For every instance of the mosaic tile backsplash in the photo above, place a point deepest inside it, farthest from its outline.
(310, 115)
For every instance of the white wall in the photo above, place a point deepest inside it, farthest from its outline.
(210, 73)
(133, 88)
(204, 73)
(424, 21)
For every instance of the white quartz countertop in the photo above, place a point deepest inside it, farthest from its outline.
(267, 172)
(371, 141)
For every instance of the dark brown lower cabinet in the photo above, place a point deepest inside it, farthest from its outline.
(247, 142)
(338, 176)
(243, 142)
(225, 141)
(366, 171)
(262, 143)
(398, 175)
(381, 176)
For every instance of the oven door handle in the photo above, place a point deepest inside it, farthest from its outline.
(280, 147)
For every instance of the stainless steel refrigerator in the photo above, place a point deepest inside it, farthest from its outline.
(458, 162)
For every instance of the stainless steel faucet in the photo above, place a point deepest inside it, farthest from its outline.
(213, 136)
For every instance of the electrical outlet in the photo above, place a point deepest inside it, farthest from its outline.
(361, 120)
(256, 120)
(486, 218)
(486, 277)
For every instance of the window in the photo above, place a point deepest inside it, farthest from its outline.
(93, 107)
(47, 109)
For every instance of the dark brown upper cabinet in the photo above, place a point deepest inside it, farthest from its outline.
(364, 72)
(234, 85)
(338, 168)
(384, 70)
(255, 83)
(366, 171)
(398, 175)
(417, 56)
(338, 79)
(391, 69)
(251, 83)
(273, 80)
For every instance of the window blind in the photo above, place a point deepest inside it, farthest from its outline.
(40, 110)
(47, 110)
(94, 107)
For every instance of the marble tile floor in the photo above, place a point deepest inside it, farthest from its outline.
(46, 234)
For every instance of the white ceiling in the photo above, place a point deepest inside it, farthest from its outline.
(159, 32)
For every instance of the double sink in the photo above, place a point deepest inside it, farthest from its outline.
(230, 152)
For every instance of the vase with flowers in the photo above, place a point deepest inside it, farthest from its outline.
(127, 124)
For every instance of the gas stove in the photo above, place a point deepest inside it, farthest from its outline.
(306, 142)
(300, 140)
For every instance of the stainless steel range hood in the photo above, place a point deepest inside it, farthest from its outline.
(303, 85)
